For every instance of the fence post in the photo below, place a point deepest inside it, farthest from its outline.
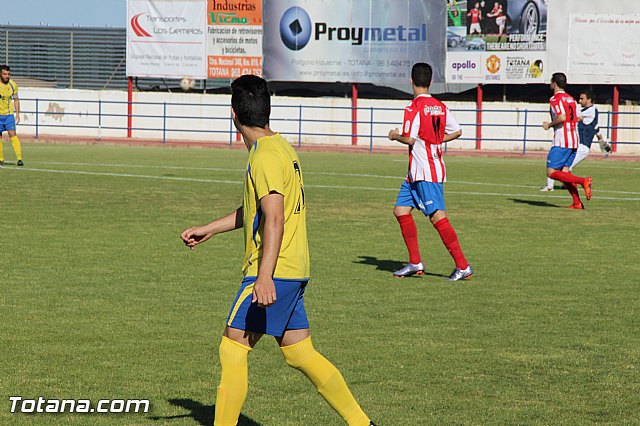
(129, 106)
(37, 118)
(100, 119)
(371, 130)
(354, 113)
(614, 131)
(524, 144)
(299, 125)
(164, 122)
(479, 118)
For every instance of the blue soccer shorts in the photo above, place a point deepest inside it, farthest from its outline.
(424, 196)
(559, 157)
(287, 313)
(7, 122)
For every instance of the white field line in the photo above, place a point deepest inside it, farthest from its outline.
(219, 169)
(239, 182)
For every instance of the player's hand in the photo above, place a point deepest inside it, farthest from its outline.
(17, 118)
(195, 235)
(546, 125)
(264, 292)
(393, 134)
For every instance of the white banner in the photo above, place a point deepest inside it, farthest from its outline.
(604, 44)
(366, 41)
(498, 41)
(166, 38)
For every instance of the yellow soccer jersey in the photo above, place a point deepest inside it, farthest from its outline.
(274, 166)
(7, 92)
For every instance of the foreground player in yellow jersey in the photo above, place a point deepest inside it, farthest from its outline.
(9, 99)
(276, 264)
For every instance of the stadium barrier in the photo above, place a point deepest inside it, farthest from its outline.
(195, 117)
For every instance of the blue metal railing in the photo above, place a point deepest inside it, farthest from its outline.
(220, 121)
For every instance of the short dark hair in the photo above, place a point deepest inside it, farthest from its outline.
(251, 101)
(587, 94)
(421, 74)
(5, 68)
(560, 79)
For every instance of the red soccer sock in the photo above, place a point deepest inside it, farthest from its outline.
(567, 177)
(573, 190)
(410, 235)
(450, 240)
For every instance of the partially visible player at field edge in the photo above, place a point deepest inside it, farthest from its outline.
(276, 264)
(428, 124)
(587, 129)
(564, 121)
(8, 100)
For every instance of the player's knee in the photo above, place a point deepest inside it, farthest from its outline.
(297, 355)
(400, 211)
(437, 216)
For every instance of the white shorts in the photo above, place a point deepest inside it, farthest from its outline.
(581, 154)
(475, 28)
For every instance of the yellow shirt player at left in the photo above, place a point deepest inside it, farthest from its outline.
(270, 299)
(9, 100)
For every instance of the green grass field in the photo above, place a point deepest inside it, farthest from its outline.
(100, 299)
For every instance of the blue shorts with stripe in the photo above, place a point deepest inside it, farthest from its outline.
(7, 122)
(287, 313)
(559, 157)
(424, 196)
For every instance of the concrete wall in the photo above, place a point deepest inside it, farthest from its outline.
(95, 114)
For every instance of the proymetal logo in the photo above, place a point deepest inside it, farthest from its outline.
(295, 28)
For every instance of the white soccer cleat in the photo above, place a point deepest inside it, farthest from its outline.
(461, 274)
(410, 269)
(546, 189)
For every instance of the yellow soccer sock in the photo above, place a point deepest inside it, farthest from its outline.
(15, 142)
(327, 379)
(234, 382)
(1, 154)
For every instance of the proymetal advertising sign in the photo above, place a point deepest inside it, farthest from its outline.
(368, 41)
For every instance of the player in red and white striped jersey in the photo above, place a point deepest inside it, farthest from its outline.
(565, 133)
(564, 121)
(428, 124)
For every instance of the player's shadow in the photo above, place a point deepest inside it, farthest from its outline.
(203, 414)
(534, 203)
(389, 265)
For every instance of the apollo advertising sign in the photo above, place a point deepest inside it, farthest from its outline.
(357, 41)
(498, 41)
(166, 38)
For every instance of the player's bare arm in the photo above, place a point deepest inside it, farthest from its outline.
(16, 105)
(264, 290)
(199, 234)
(394, 135)
(561, 118)
(451, 136)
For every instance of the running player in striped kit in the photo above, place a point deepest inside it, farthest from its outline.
(428, 124)
(564, 121)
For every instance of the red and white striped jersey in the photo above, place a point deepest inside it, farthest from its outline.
(427, 120)
(565, 135)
